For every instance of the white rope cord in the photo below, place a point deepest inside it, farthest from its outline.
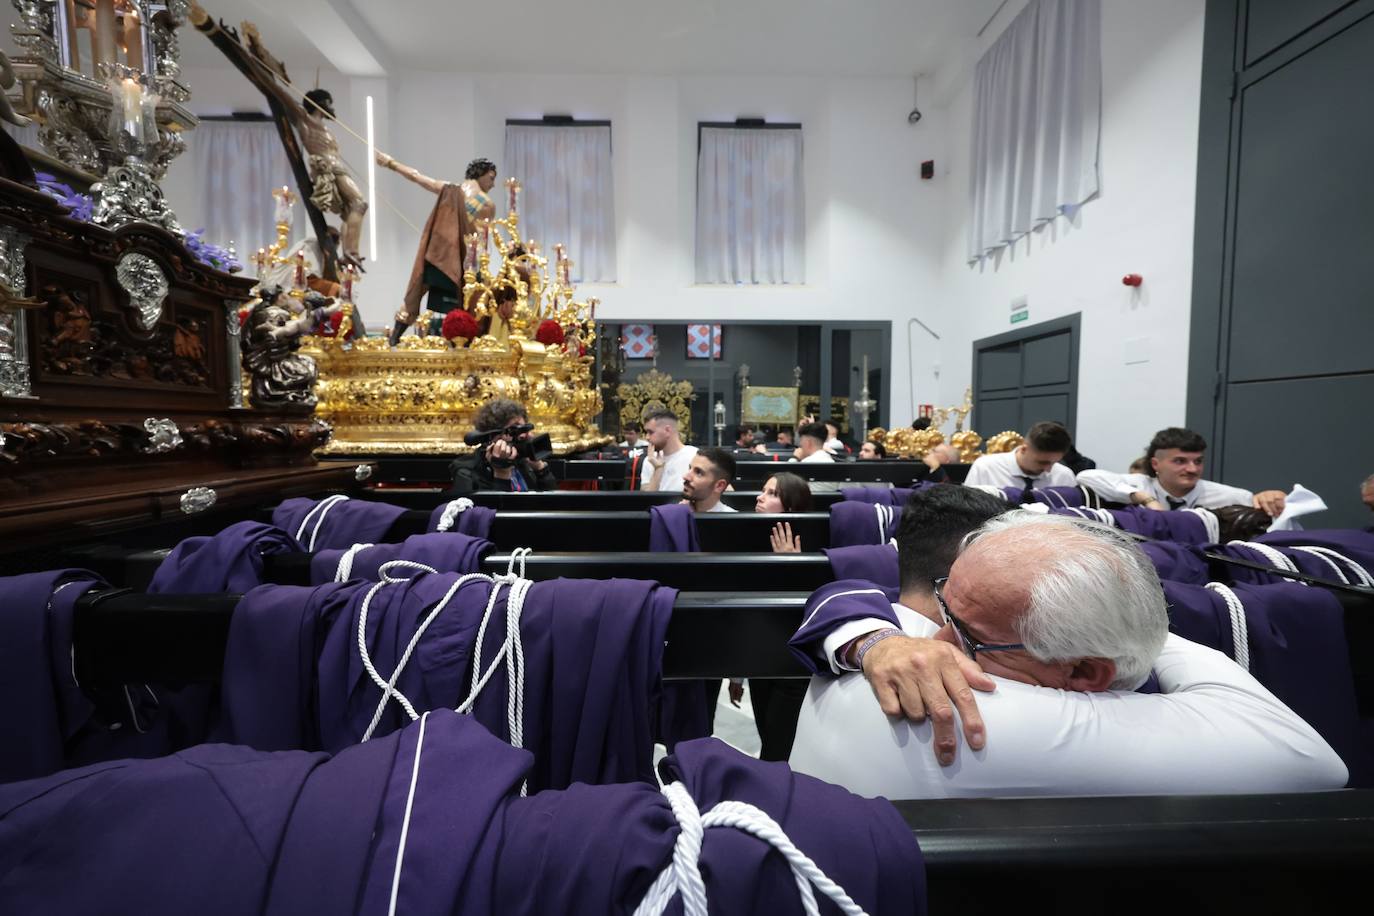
(989, 489)
(1362, 576)
(1209, 522)
(389, 686)
(1051, 495)
(318, 513)
(1094, 515)
(683, 874)
(1240, 633)
(344, 571)
(451, 512)
(1272, 556)
(884, 514)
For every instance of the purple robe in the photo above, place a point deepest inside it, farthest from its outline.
(1298, 650)
(447, 552)
(345, 522)
(832, 605)
(54, 722)
(673, 529)
(853, 523)
(1182, 527)
(684, 709)
(230, 561)
(885, 496)
(428, 816)
(293, 677)
(875, 563)
(475, 521)
(1177, 562)
(1358, 546)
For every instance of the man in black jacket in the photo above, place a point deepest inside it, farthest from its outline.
(497, 466)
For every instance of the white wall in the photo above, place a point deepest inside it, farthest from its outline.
(1142, 222)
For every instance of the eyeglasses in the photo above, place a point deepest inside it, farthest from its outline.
(970, 645)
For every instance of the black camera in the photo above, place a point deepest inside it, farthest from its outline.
(538, 448)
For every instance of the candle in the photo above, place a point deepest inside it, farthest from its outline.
(593, 303)
(300, 270)
(486, 237)
(512, 192)
(131, 98)
(260, 259)
(283, 210)
(347, 294)
(472, 252)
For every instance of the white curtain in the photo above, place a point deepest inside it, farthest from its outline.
(236, 165)
(751, 206)
(568, 194)
(1036, 122)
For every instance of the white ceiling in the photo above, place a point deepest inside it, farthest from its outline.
(670, 37)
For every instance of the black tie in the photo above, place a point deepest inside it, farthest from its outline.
(1028, 494)
(1175, 503)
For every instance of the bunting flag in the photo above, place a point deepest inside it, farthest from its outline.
(637, 340)
(703, 341)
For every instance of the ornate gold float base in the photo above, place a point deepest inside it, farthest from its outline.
(422, 397)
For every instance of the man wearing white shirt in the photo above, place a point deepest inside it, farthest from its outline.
(708, 477)
(668, 459)
(1068, 617)
(1032, 465)
(1174, 479)
(811, 448)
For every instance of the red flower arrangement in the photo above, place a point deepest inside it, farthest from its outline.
(550, 333)
(459, 323)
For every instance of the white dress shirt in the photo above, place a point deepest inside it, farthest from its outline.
(1213, 729)
(721, 507)
(1205, 494)
(674, 469)
(1001, 470)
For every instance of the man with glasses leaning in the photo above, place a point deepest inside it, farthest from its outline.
(1069, 619)
(502, 458)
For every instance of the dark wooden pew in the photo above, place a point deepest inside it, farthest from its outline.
(572, 500)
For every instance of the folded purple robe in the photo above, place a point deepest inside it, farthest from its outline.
(474, 521)
(673, 529)
(54, 723)
(832, 605)
(853, 523)
(447, 552)
(424, 821)
(335, 522)
(294, 678)
(886, 496)
(1355, 546)
(1297, 649)
(1177, 562)
(875, 563)
(230, 561)
(1182, 527)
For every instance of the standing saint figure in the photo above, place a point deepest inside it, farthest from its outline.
(438, 268)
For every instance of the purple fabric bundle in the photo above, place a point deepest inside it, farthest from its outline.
(294, 677)
(447, 552)
(885, 496)
(673, 529)
(335, 522)
(873, 563)
(1297, 649)
(832, 605)
(1181, 527)
(426, 820)
(1177, 562)
(54, 723)
(1356, 546)
(230, 561)
(853, 523)
(474, 521)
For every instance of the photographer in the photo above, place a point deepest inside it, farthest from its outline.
(503, 458)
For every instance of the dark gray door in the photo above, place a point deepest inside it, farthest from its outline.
(1025, 376)
(1281, 364)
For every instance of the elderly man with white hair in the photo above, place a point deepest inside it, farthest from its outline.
(1069, 618)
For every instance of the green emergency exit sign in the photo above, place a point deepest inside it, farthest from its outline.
(1019, 316)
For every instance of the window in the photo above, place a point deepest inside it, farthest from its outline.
(568, 197)
(1036, 122)
(751, 207)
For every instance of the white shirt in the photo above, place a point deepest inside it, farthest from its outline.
(721, 507)
(820, 456)
(1001, 470)
(1214, 729)
(674, 469)
(834, 445)
(1205, 494)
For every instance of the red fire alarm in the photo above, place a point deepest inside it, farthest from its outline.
(1133, 279)
(928, 168)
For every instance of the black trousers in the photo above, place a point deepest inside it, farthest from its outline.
(776, 702)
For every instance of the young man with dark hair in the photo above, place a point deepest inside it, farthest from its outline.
(811, 448)
(707, 478)
(1032, 465)
(668, 457)
(872, 451)
(1173, 479)
(633, 436)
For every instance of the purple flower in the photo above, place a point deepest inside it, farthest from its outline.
(81, 206)
(206, 253)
